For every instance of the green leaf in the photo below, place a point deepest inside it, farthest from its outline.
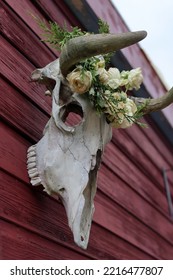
(103, 26)
(56, 35)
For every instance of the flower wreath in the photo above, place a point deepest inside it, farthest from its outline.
(107, 88)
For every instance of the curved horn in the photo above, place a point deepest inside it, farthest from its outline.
(80, 48)
(155, 104)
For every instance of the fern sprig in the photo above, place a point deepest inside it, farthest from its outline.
(58, 36)
(103, 26)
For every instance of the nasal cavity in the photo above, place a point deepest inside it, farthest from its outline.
(73, 114)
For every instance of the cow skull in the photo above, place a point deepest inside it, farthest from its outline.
(66, 160)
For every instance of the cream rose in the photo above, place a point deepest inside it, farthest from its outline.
(114, 73)
(103, 75)
(135, 78)
(132, 79)
(80, 82)
(129, 108)
(114, 78)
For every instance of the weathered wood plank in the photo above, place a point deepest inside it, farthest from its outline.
(157, 138)
(25, 9)
(13, 150)
(152, 161)
(67, 12)
(21, 113)
(59, 12)
(122, 166)
(18, 206)
(136, 146)
(17, 69)
(133, 203)
(117, 220)
(120, 249)
(18, 243)
(152, 152)
(36, 212)
(23, 38)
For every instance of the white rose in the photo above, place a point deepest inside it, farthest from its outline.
(130, 109)
(103, 75)
(79, 81)
(121, 121)
(114, 78)
(135, 79)
(114, 73)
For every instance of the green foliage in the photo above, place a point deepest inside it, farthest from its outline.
(103, 26)
(58, 36)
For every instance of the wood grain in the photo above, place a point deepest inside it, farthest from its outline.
(17, 69)
(38, 213)
(23, 38)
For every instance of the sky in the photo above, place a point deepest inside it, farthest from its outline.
(156, 17)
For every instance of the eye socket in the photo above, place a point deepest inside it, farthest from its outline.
(72, 114)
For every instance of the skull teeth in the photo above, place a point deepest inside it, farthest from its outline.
(32, 170)
(36, 181)
(31, 159)
(33, 175)
(31, 154)
(31, 165)
(32, 148)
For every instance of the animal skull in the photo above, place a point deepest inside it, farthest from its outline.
(66, 160)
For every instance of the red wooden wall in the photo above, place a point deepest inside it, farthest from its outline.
(131, 220)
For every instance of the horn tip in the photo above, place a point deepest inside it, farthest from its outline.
(142, 34)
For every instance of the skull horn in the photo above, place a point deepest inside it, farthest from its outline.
(80, 48)
(155, 104)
